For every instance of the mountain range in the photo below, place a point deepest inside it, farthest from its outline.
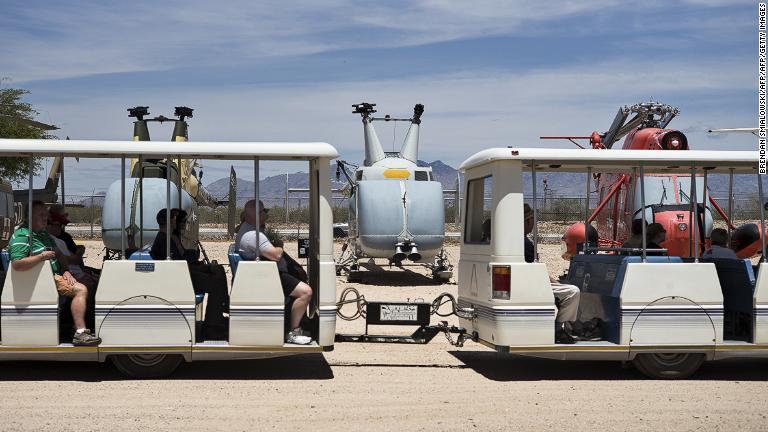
(560, 184)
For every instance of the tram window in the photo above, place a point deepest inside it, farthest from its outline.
(478, 211)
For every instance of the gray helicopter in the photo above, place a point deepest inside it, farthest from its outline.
(395, 206)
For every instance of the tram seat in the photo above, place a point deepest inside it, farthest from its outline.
(234, 259)
(141, 254)
(600, 277)
(737, 282)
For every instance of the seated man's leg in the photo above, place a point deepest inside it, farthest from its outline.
(302, 295)
(569, 301)
(79, 294)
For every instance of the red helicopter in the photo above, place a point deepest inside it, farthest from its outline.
(667, 196)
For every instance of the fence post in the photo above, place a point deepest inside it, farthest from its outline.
(286, 197)
(92, 193)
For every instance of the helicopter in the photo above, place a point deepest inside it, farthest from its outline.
(395, 206)
(668, 197)
(149, 176)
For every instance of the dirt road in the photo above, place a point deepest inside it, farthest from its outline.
(431, 387)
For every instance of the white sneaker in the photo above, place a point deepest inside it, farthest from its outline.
(295, 337)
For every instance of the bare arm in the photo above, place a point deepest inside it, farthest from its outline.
(273, 254)
(27, 263)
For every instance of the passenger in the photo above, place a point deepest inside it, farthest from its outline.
(567, 295)
(719, 249)
(635, 241)
(656, 234)
(486, 236)
(249, 247)
(58, 214)
(43, 250)
(210, 279)
(69, 260)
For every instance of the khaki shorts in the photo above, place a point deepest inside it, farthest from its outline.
(63, 287)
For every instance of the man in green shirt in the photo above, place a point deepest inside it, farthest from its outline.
(43, 249)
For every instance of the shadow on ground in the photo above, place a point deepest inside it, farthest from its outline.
(377, 275)
(506, 367)
(295, 367)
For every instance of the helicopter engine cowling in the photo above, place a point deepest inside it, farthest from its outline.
(378, 225)
(154, 200)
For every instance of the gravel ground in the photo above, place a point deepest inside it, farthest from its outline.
(384, 387)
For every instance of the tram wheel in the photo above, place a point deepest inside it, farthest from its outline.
(668, 365)
(147, 365)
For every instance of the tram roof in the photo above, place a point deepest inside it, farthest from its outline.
(743, 162)
(187, 149)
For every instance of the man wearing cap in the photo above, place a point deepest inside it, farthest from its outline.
(567, 295)
(250, 244)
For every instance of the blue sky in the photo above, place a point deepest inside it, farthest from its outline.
(490, 73)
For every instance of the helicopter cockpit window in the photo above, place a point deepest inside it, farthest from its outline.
(478, 211)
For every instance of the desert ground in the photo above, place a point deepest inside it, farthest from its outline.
(432, 387)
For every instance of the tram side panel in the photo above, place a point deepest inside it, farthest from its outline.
(145, 304)
(30, 308)
(671, 304)
(257, 306)
(526, 318)
(761, 305)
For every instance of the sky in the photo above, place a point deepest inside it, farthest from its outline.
(490, 73)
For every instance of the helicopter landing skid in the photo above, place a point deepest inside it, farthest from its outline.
(349, 264)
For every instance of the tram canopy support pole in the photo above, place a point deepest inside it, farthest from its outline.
(642, 210)
(63, 196)
(762, 215)
(29, 201)
(535, 215)
(695, 226)
(690, 212)
(586, 203)
(122, 207)
(168, 207)
(256, 198)
(730, 205)
(178, 174)
(141, 200)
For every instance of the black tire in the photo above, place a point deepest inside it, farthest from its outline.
(147, 365)
(668, 366)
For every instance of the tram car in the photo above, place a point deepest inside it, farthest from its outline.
(146, 311)
(666, 314)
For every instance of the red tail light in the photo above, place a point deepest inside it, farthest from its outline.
(500, 282)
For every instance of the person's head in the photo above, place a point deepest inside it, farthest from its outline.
(56, 222)
(656, 233)
(637, 227)
(39, 218)
(178, 217)
(250, 212)
(527, 219)
(719, 237)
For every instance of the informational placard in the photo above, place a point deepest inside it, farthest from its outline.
(145, 267)
(399, 312)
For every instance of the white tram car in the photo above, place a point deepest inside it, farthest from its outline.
(146, 311)
(666, 314)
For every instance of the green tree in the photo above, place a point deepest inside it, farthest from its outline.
(17, 121)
